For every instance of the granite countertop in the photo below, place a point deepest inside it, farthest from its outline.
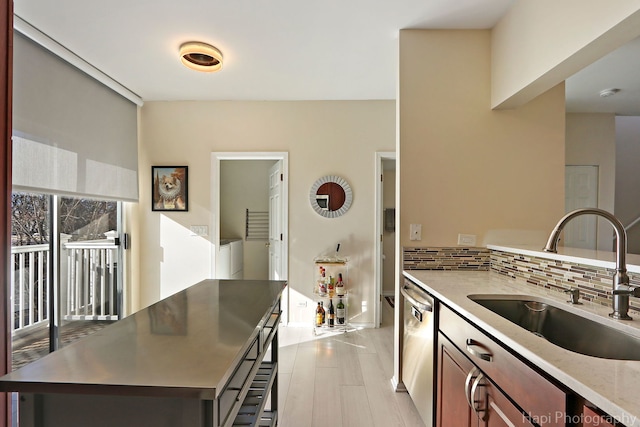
(612, 385)
(183, 346)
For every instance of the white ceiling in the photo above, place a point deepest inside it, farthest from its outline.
(273, 49)
(617, 70)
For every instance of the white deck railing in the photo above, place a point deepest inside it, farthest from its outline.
(29, 285)
(91, 283)
(88, 277)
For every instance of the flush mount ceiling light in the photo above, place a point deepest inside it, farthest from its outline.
(608, 92)
(201, 57)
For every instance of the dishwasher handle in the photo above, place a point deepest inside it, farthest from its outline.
(417, 298)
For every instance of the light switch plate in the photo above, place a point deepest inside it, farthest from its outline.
(415, 232)
(199, 230)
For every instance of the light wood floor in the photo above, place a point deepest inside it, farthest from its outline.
(341, 379)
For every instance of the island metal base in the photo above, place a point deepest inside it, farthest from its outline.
(244, 359)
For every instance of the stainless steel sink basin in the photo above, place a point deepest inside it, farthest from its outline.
(563, 328)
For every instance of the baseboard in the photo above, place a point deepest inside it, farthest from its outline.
(362, 325)
(357, 325)
(299, 325)
(398, 386)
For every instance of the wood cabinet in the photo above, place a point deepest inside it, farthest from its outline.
(467, 397)
(452, 408)
(593, 418)
(500, 412)
(478, 380)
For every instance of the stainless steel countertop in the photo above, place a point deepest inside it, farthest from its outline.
(184, 346)
(612, 385)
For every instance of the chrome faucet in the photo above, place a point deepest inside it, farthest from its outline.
(621, 289)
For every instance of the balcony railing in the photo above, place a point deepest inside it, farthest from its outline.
(90, 289)
(30, 285)
(88, 283)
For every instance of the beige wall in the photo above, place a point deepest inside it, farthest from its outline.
(591, 140)
(540, 43)
(463, 167)
(322, 138)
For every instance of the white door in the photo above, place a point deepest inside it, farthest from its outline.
(581, 191)
(276, 232)
(381, 240)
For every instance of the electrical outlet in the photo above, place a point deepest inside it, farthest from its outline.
(302, 303)
(415, 232)
(466, 239)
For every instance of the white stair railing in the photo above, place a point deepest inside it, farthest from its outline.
(633, 224)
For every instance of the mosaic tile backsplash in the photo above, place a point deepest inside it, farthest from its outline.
(456, 258)
(594, 282)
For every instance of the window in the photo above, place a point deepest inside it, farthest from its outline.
(86, 249)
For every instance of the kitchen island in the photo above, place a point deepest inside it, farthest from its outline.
(206, 356)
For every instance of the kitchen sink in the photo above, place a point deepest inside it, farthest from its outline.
(563, 328)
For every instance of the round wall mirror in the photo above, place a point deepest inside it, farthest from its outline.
(330, 196)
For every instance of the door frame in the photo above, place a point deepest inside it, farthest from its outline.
(283, 156)
(379, 229)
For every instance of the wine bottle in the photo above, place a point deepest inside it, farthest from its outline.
(340, 313)
(340, 285)
(319, 315)
(323, 312)
(332, 313)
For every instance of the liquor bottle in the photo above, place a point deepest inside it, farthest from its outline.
(332, 314)
(319, 315)
(340, 285)
(323, 312)
(340, 313)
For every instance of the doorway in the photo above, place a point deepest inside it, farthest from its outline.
(581, 191)
(385, 215)
(236, 179)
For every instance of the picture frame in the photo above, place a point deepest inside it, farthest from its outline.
(169, 188)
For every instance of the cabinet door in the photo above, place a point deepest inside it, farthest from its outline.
(500, 412)
(531, 391)
(223, 267)
(460, 385)
(591, 418)
(452, 407)
(237, 260)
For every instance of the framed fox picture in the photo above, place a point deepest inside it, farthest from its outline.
(169, 188)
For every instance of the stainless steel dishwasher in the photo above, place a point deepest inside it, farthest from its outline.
(419, 348)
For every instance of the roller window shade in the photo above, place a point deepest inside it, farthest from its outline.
(71, 134)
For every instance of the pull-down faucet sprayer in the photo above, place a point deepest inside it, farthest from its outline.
(621, 288)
